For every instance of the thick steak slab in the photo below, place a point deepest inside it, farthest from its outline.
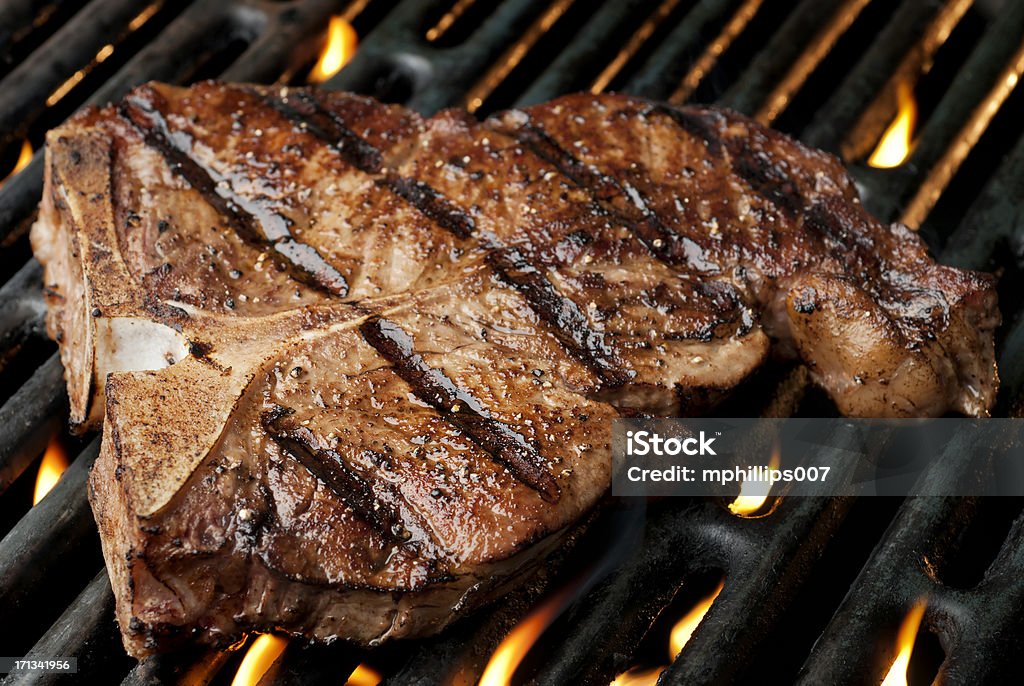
(356, 369)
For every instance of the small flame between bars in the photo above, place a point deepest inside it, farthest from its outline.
(897, 675)
(511, 651)
(24, 157)
(339, 49)
(754, 494)
(364, 676)
(680, 635)
(261, 654)
(895, 144)
(51, 467)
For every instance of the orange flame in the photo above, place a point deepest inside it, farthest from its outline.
(639, 677)
(678, 638)
(340, 46)
(684, 628)
(364, 676)
(24, 157)
(261, 654)
(754, 494)
(894, 146)
(53, 464)
(897, 675)
(511, 651)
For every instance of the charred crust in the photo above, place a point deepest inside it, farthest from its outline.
(199, 349)
(331, 469)
(430, 203)
(303, 110)
(167, 314)
(565, 319)
(698, 124)
(766, 178)
(302, 262)
(504, 444)
(806, 302)
(614, 195)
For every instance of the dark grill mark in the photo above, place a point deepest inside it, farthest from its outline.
(329, 467)
(770, 178)
(562, 315)
(500, 441)
(749, 160)
(431, 203)
(620, 198)
(697, 124)
(252, 223)
(757, 169)
(537, 140)
(303, 110)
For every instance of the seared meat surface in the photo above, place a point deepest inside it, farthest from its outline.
(356, 369)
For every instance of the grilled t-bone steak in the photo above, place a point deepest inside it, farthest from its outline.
(358, 367)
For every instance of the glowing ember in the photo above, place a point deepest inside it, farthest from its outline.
(894, 147)
(364, 676)
(639, 677)
(53, 464)
(262, 653)
(685, 627)
(24, 157)
(754, 494)
(897, 675)
(678, 638)
(341, 45)
(511, 651)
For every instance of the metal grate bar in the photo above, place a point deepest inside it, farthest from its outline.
(924, 533)
(431, 79)
(994, 608)
(311, 666)
(994, 218)
(633, 45)
(29, 418)
(980, 87)
(448, 19)
(911, 24)
(194, 33)
(86, 630)
(460, 654)
(514, 55)
(189, 669)
(288, 44)
(590, 45)
(733, 28)
(786, 61)
(22, 310)
(966, 138)
(779, 551)
(75, 45)
(660, 73)
(36, 554)
(18, 18)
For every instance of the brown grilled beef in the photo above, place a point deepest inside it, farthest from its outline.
(358, 367)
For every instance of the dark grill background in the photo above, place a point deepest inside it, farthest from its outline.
(814, 591)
